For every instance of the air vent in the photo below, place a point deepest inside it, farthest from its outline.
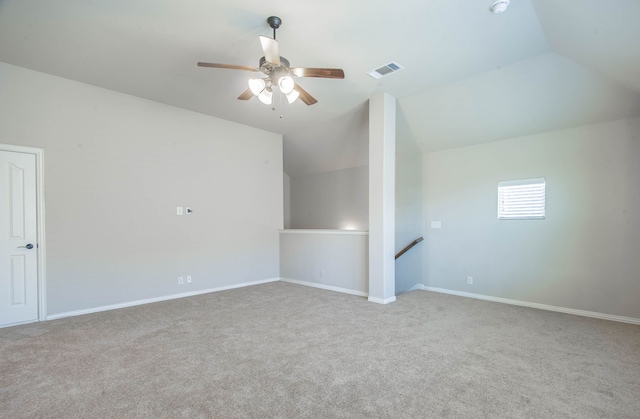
(385, 70)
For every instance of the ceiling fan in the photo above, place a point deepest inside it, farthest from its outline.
(279, 73)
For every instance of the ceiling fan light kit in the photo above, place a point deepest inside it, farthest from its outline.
(279, 72)
(292, 96)
(256, 86)
(286, 84)
(266, 96)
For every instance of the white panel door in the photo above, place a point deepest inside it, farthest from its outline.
(18, 246)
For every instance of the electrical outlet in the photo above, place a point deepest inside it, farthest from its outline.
(470, 280)
(321, 273)
(188, 279)
(180, 280)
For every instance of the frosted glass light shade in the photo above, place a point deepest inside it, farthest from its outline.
(286, 84)
(265, 96)
(292, 96)
(256, 86)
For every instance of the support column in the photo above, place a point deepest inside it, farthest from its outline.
(382, 162)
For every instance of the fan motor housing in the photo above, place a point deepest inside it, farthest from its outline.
(270, 70)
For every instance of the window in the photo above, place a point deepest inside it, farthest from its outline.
(521, 199)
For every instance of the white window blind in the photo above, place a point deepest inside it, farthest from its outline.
(521, 199)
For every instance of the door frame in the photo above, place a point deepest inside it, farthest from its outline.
(41, 270)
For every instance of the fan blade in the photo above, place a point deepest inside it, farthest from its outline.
(246, 95)
(305, 96)
(327, 73)
(270, 49)
(229, 66)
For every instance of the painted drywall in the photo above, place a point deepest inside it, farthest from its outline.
(339, 143)
(382, 174)
(331, 200)
(116, 168)
(540, 94)
(326, 259)
(583, 256)
(287, 200)
(408, 205)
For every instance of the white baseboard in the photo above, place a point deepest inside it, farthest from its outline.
(381, 300)
(416, 287)
(325, 287)
(342, 290)
(576, 312)
(19, 323)
(154, 300)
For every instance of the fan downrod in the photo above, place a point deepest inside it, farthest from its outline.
(274, 22)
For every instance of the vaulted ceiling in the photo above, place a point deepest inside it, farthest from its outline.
(470, 76)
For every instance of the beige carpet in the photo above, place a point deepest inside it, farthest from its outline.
(285, 351)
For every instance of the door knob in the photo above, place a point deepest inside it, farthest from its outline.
(28, 246)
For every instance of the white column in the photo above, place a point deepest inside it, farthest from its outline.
(382, 162)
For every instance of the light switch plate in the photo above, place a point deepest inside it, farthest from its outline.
(179, 211)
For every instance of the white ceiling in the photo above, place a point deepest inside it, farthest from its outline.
(471, 76)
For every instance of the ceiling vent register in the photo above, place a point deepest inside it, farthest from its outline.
(385, 70)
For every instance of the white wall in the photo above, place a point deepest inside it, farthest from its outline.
(584, 255)
(408, 206)
(117, 166)
(331, 200)
(287, 200)
(382, 185)
(326, 259)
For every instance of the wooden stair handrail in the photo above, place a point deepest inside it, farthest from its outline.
(406, 249)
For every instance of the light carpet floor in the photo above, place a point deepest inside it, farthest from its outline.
(280, 350)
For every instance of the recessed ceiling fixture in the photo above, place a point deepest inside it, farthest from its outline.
(385, 70)
(499, 6)
(279, 73)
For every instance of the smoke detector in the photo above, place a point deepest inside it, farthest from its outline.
(499, 6)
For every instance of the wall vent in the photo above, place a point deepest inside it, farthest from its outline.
(385, 70)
